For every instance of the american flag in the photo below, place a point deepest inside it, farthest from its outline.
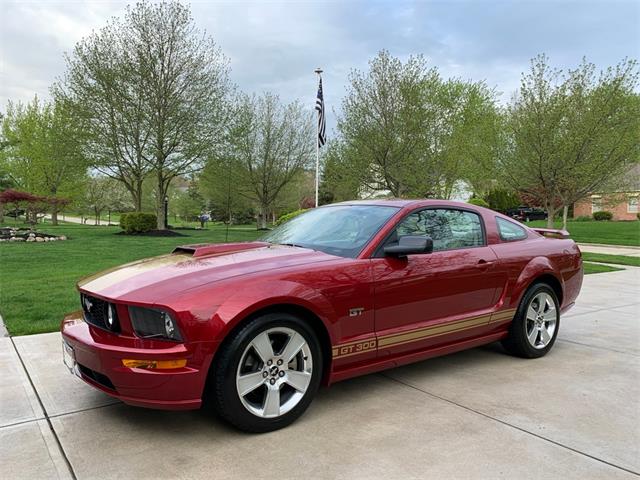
(322, 124)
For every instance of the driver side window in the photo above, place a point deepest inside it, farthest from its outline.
(448, 228)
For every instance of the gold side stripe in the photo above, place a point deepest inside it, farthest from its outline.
(362, 346)
(432, 331)
(456, 322)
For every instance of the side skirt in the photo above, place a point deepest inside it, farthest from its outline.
(384, 364)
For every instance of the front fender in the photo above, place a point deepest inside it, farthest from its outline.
(537, 267)
(254, 297)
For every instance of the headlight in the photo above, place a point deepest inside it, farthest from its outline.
(151, 323)
(111, 319)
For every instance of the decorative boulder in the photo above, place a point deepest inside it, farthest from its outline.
(39, 239)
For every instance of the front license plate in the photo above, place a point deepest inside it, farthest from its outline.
(69, 358)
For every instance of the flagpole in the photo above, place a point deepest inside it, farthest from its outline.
(319, 72)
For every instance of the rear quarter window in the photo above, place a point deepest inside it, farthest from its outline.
(510, 231)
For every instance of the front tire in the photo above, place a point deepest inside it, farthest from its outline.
(535, 326)
(267, 373)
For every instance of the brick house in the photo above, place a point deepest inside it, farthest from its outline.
(623, 205)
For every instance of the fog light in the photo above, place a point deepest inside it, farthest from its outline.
(155, 364)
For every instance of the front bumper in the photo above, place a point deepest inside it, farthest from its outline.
(99, 356)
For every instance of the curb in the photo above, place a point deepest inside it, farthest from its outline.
(3, 329)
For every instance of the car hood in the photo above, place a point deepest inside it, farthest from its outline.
(154, 279)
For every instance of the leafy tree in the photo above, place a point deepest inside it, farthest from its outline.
(102, 193)
(43, 153)
(405, 130)
(267, 148)
(151, 89)
(571, 134)
(188, 204)
(501, 199)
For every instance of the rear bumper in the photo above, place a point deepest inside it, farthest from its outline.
(99, 356)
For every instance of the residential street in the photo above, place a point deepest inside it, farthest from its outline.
(480, 413)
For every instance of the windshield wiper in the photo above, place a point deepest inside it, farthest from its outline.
(292, 245)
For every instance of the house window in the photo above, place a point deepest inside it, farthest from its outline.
(596, 205)
(632, 205)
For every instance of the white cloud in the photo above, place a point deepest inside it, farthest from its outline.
(276, 45)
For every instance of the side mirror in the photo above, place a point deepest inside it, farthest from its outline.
(410, 245)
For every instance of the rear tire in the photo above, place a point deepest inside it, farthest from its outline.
(267, 373)
(535, 326)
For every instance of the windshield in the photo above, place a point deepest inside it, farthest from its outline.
(341, 230)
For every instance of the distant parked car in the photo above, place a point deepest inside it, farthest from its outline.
(527, 214)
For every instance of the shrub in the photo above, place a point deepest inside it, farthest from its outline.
(288, 216)
(478, 202)
(638, 215)
(138, 222)
(603, 215)
(583, 218)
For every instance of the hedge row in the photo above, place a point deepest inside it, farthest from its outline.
(288, 216)
(138, 222)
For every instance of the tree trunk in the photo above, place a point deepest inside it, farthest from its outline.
(565, 213)
(161, 194)
(551, 215)
(1, 212)
(262, 217)
(54, 214)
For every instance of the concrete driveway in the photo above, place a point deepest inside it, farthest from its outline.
(483, 414)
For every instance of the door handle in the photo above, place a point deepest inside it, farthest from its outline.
(484, 263)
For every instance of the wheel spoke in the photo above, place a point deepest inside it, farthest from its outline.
(531, 313)
(294, 345)
(544, 336)
(272, 402)
(533, 335)
(262, 345)
(298, 380)
(248, 383)
(550, 315)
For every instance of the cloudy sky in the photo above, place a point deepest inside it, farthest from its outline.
(276, 45)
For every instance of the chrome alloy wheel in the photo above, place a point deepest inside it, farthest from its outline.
(274, 372)
(542, 318)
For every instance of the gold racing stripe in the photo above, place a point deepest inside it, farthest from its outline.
(361, 346)
(400, 338)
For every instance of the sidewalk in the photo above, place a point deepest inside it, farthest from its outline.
(90, 221)
(610, 249)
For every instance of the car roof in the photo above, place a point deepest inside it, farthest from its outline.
(401, 203)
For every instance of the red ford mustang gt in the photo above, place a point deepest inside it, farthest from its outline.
(342, 290)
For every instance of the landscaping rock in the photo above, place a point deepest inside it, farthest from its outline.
(31, 239)
(39, 239)
(62, 237)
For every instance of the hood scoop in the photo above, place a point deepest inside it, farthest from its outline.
(207, 249)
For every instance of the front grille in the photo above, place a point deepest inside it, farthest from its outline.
(95, 310)
(97, 377)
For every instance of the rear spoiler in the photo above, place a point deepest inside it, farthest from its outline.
(552, 233)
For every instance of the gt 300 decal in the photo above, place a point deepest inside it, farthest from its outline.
(354, 348)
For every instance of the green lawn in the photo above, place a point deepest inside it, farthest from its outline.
(37, 281)
(590, 268)
(611, 233)
(615, 259)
